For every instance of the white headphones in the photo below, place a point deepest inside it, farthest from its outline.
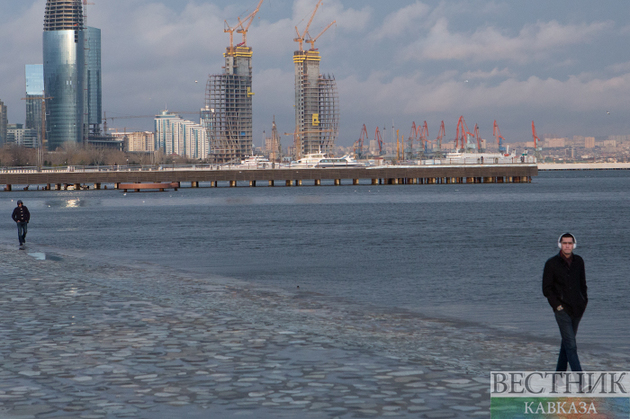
(560, 240)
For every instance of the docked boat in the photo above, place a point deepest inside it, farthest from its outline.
(320, 160)
(255, 162)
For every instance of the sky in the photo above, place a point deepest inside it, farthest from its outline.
(564, 64)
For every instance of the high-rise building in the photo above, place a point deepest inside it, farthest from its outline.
(174, 135)
(316, 100)
(94, 99)
(229, 97)
(64, 72)
(4, 121)
(34, 76)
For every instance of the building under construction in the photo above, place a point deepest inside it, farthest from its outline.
(228, 116)
(316, 99)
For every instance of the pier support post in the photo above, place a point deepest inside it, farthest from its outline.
(374, 181)
(252, 183)
(97, 186)
(355, 181)
(214, 184)
(298, 182)
(337, 182)
(194, 184)
(7, 188)
(271, 183)
(289, 182)
(77, 186)
(318, 182)
(232, 184)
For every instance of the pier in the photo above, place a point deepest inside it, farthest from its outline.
(88, 177)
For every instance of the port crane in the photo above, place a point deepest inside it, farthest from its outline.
(463, 135)
(423, 137)
(537, 148)
(498, 137)
(379, 141)
(358, 144)
(438, 140)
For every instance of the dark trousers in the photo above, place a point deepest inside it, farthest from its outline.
(568, 349)
(22, 227)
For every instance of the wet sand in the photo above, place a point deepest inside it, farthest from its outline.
(87, 339)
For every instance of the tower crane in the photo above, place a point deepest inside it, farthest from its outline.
(537, 148)
(246, 23)
(358, 144)
(312, 40)
(498, 137)
(302, 36)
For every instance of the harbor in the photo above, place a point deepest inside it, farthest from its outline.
(91, 177)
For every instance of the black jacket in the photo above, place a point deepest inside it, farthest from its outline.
(565, 285)
(21, 214)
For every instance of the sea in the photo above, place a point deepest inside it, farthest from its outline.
(466, 253)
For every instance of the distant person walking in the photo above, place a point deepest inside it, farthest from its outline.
(564, 285)
(21, 216)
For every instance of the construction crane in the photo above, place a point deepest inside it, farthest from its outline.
(301, 36)
(246, 23)
(537, 148)
(379, 141)
(311, 40)
(358, 144)
(498, 137)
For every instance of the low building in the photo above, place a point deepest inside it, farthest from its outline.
(175, 135)
(137, 141)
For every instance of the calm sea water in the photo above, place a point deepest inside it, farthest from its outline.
(468, 252)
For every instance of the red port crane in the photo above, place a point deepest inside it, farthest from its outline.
(537, 148)
(498, 137)
(440, 135)
(462, 134)
(358, 144)
(423, 137)
(379, 141)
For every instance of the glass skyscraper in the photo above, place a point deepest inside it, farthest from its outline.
(34, 96)
(64, 72)
(94, 98)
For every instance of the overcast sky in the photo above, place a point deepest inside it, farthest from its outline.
(564, 64)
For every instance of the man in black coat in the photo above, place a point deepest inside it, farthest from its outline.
(21, 216)
(564, 285)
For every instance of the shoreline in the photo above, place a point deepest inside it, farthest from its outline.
(146, 339)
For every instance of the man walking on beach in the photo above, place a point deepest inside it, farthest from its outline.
(21, 216)
(564, 285)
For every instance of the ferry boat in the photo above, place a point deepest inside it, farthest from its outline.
(320, 160)
(255, 162)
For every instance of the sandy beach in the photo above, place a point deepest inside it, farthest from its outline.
(82, 338)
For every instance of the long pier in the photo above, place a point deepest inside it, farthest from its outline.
(95, 178)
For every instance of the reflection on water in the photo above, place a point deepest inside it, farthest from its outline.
(66, 203)
(45, 256)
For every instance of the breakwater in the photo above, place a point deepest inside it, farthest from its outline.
(88, 177)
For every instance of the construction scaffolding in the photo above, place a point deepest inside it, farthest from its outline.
(316, 106)
(229, 104)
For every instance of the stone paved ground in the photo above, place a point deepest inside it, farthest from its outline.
(82, 339)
